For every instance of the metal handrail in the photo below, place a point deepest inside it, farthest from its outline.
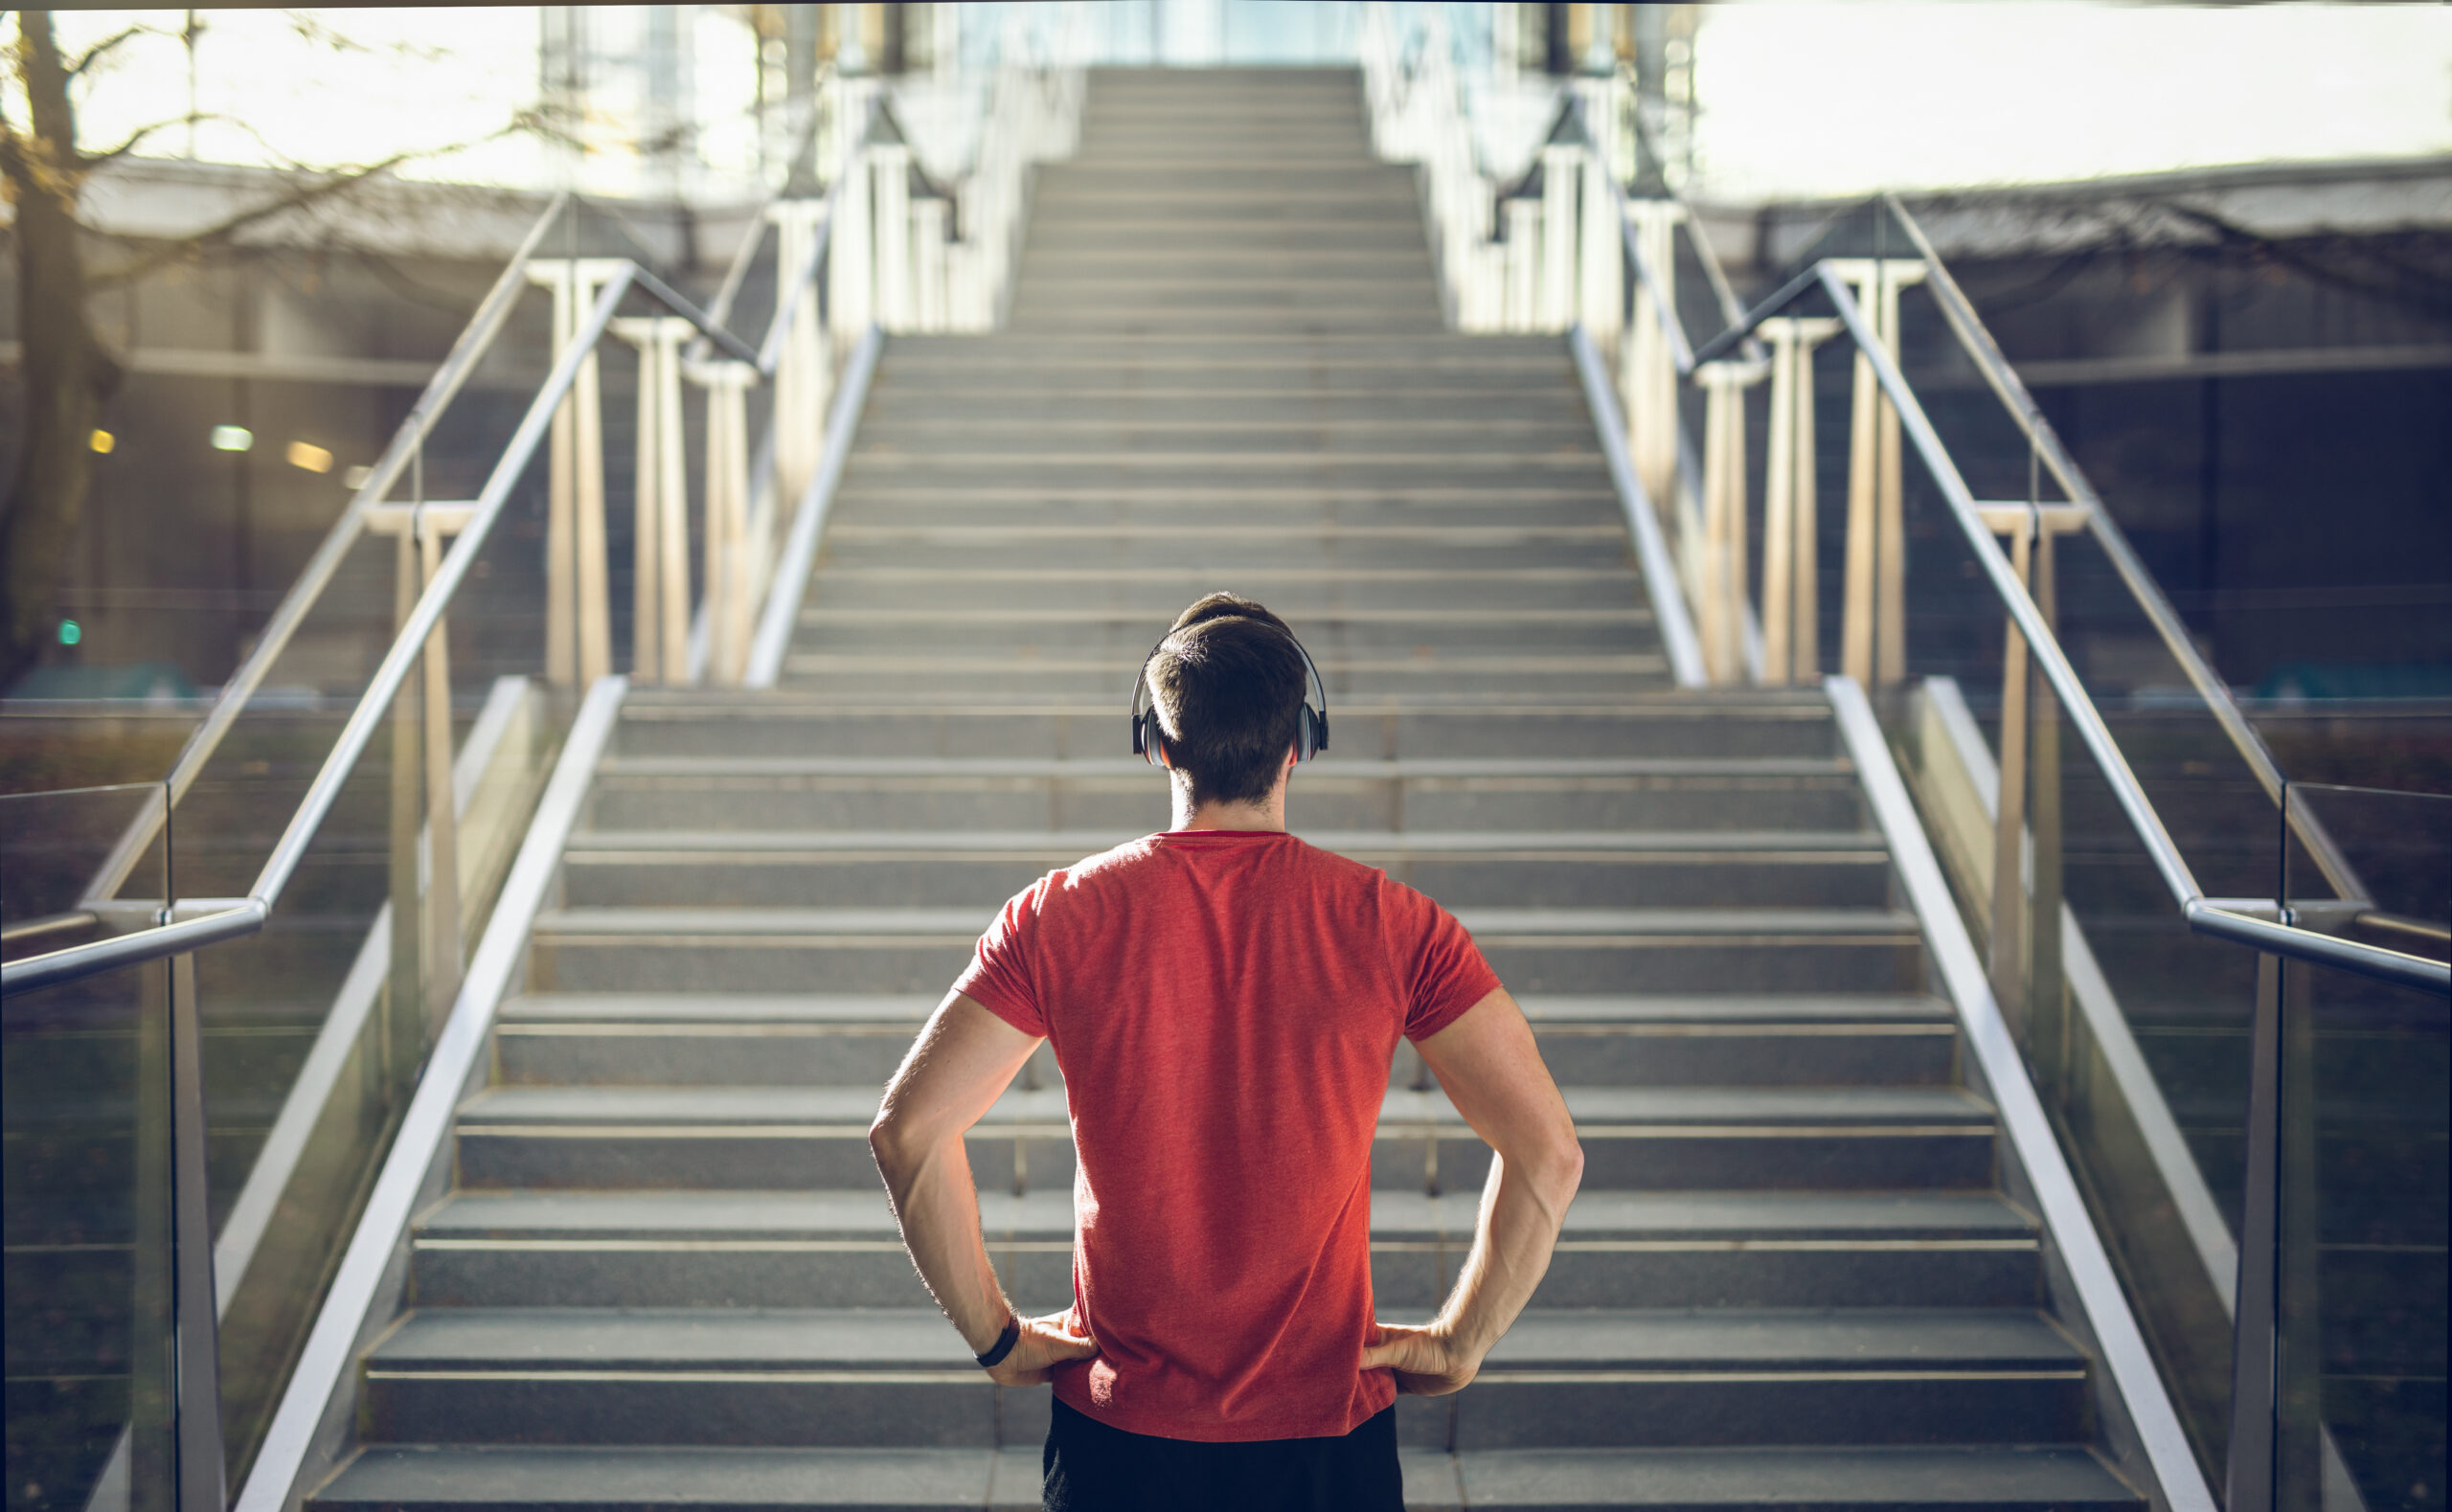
(474, 340)
(1979, 346)
(2202, 914)
(2054, 457)
(248, 915)
(407, 646)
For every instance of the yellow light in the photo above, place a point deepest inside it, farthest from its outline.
(313, 459)
(102, 441)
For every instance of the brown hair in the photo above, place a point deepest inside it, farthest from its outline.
(1227, 685)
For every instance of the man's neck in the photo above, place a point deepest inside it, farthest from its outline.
(1267, 814)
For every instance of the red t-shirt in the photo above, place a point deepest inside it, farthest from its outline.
(1224, 1006)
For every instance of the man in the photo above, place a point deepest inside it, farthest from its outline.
(1224, 1002)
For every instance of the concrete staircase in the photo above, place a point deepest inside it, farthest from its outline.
(666, 1274)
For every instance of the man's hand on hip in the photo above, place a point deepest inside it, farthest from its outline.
(1044, 1342)
(1427, 1360)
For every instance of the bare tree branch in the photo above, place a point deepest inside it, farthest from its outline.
(103, 48)
(223, 231)
(129, 143)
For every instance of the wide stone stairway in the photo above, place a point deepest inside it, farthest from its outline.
(666, 1273)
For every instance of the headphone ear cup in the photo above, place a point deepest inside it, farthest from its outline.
(1306, 734)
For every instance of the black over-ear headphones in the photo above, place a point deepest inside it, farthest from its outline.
(1311, 726)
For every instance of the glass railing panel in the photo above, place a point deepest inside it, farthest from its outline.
(84, 1172)
(2364, 1126)
(2365, 1120)
(2399, 846)
(315, 1030)
(2135, 1027)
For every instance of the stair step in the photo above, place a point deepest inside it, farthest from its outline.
(2030, 1478)
(1402, 625)
(1161, 592)
(1638, 728)
(722, 869)
(890, 410)
(478, 1477)
(469, 1477)
(1635, 1137)
(899, 1376)
(1107, 435)
(818, 1039)
(841, 1248)
(565, 958)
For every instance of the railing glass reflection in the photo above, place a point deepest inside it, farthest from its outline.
(2352, 1118)
(86, 1107)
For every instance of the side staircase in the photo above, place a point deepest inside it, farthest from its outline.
(663, 1273)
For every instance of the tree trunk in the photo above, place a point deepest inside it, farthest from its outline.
(64, 375)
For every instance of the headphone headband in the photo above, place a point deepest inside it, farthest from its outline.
(1311, 721)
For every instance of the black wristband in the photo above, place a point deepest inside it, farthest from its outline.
(1003, 1346)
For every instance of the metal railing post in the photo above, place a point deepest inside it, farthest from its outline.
(404, 998)
(1557, 235)
(2298, 1329)
(1873, 618)
(445, 955)
(732, 566)
(204, 1484)
(2250, 1478)
(928, 262)
(850, 302)
(660, 576)
(1602, 256)
(154, 1356)
(1651, 396)
(1523, 265)
(800, 372)
(2048, 1035)
(2007, 946)
(1722, 591)
(561, 661)
(578, 623)
(893, 226)
(1791, 604)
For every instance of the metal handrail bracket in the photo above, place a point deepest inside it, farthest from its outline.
(175, 938)
(2397, 967)
(318, 1390)
(2117, 1338)
(1675, 626)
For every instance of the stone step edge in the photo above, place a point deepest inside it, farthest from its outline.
(440, 1476)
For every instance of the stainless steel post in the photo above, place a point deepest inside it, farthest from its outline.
(2250, 1478)
(2007, 964)
(404, 1031)
(153, 1350)
(443, 946)
(2047, 992)
(203, 1486)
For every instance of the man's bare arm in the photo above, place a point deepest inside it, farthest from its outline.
(1494, 1074)
(961, 1064)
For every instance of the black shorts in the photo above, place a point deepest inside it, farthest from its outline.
(1091, 1467)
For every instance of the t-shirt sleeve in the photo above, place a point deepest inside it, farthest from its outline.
(1443, 971)
(1001, 977)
